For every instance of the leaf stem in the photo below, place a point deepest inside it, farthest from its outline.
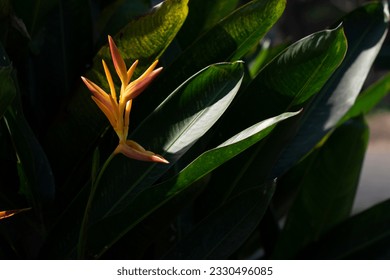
(84, 224)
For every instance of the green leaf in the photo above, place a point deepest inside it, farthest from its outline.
(8, 88)
(36, 181)
(203, 15)
(172, 191)
(327, 188)
(226, 229)
(117, 14)
(228, 40)
(33, 164)
(368, 99)
(288, 81)
(363, 236)
(145, 39)
(33, 167)
(169, 131)
(365, 29)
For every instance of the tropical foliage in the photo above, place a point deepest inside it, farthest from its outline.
(256, 149)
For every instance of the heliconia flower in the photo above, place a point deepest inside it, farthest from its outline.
(117, 108)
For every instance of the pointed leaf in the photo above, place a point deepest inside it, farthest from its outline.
(170, 131)
(287, 82)
(228, 40)
(151, 200)
(365, 29)
(290, 79)
(144, 38)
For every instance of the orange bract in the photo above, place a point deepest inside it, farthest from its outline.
(10, 213)
(117, 108)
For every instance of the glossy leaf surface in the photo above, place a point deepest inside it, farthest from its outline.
(365, 29)
(171, 191)
(327, 188)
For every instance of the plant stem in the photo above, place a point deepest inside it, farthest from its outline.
(84, 224)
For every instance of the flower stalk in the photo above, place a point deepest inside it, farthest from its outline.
(117, 110)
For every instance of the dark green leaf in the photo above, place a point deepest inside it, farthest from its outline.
(290, 79)
(226, 229)
(8, 88)
(33, 12)
(33, 166)
(203, 14)
(228, 40)
(36, 178)
(365, 29)
(145, 39)
(364, 236)
(286, 82)
(118, 14)
(170, 131)
(151, 200)
(327, 188)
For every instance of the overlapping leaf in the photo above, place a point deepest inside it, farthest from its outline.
(288, 81)
(327, 188)
(367, 100)
(225, 229)
(170, 131)
(173, 192)
(145, 39)
(203, 15)
(229, 40)
(365, 29)
(364, 236)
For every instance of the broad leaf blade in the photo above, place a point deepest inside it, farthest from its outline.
(203, 14)
(364, 236)
(170, 131)
(145, 39)
(226, 229)
(288, 81)
(117, 14)
(176, 125)
(368, 99)
(228, 40)
(365, 29)
(327, 188)
(33, 166)
(153, 199)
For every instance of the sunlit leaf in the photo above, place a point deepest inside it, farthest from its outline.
(365, 29)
